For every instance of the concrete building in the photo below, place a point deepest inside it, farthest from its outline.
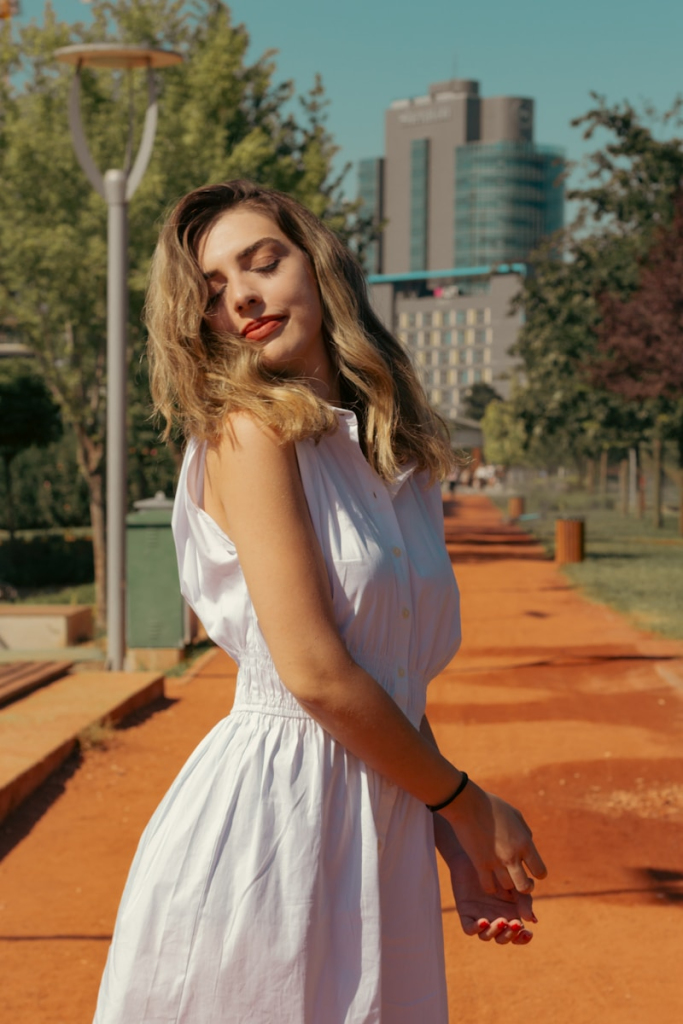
(460, 340)
(466, 195)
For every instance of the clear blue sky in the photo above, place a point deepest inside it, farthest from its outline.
(373, 51)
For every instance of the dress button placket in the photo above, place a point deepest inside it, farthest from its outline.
(403, 634)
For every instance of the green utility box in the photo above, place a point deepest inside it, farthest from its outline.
(156, 614)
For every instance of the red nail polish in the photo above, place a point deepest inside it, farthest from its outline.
(483, 924)
(516, 927)
(502, 925)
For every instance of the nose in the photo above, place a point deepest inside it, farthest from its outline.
(244, 297)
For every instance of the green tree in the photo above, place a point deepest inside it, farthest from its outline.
(220, 117)
(504, 435)
(477, 399)
(28, 417)
(629, 193)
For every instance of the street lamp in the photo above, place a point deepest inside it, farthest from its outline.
(116, 187)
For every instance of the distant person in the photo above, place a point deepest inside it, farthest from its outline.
(289, 874)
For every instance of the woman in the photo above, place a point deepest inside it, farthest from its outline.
(289, 874)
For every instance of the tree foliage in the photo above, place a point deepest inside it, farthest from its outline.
(629, 196)
(477, 399)
(640, 338)
(28, 418)
(220, 117)
(504, 436)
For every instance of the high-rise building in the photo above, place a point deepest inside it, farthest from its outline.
(466, 195)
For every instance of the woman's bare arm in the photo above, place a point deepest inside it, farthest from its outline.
(254, 491)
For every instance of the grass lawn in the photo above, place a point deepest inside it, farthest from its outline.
(629, 565)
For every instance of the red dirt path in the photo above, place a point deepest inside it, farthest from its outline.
(557, 703)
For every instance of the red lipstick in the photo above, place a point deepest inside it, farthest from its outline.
(256, 330)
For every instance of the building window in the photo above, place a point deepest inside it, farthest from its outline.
(460, 316)
(419, 192)
(508, 196)
(436, 338)
(436, 396)
(420, 339)
(470, 336)
(452, 376)
(487, 317)
(480, 316)
(453, 357)
(402, 319)
(435, 357)
(411, 339)
(489, 336)
(426, 319)
(464, 376)
(461, 337)
(447, 337)
(370, 192)
(436, 377)
(477, 355)
(477, 376)
(403, 337)
(488, 374)
(480, 337)
(420, 358)
(437, 319)
(471, 316)
(487, 355)
(412, 319)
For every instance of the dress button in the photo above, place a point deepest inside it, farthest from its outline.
(401, 672)
(397, 551)
(405, 613)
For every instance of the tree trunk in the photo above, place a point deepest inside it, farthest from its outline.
(657, 482)
(90, 464)
(590, 475)
(633, 481)
(604, 462)
(623, 486)
(11, 524)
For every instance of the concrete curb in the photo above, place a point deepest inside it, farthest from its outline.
(39, 732)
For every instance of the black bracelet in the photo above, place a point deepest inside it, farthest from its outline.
(437, 807)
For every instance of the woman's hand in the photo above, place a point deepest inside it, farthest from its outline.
(497, 840)
(498, 916)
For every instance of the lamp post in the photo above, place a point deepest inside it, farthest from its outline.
(116, 187)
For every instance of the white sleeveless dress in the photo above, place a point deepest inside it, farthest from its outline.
(281, 881)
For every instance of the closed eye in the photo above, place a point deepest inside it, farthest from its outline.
(269, 268)
(214, 297)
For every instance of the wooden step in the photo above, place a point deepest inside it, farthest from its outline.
(21, 677)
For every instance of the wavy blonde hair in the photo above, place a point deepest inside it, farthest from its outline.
(199, 376)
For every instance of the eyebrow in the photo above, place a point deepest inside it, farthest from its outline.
(246, 253)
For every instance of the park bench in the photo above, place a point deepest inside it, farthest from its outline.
(21, 677)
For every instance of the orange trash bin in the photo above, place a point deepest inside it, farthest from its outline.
(569, 540)
(515, 507)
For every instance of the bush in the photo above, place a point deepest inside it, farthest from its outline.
(52, 560)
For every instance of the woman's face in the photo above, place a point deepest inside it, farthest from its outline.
(262, 286)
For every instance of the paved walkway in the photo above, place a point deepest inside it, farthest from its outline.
(555, 702)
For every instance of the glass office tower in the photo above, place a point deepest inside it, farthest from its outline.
(370, 193)
(508, 197)
(419, 202)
